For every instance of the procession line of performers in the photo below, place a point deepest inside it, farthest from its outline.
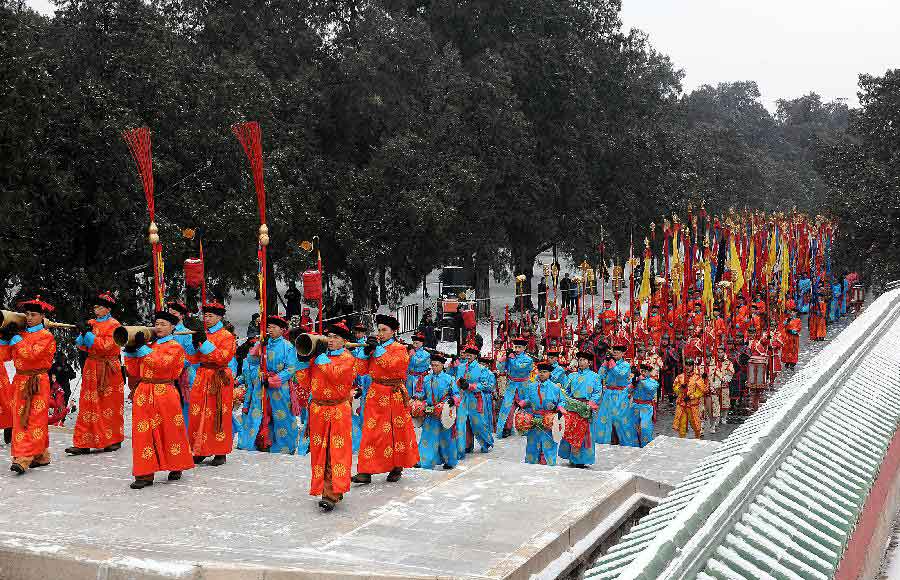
(190, 404)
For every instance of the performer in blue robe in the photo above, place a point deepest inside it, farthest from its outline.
(615, 414)
(362, 384)
(419, 365)
(643, 404)
(834, 307)
(518, 368)
(473, 386)
(583, 385)
(542, 397)
(178, 309)
(437, 444)
(490, 382)
(558, 374)
(281, 364)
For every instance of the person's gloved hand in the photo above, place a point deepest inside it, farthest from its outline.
(131, 349)
(198, 338)
(9, 331)
(274, 380)
(371, 343)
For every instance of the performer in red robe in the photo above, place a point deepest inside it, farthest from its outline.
(209, 427)
(6, 402)
(791, 337)
(100, 422)
(32, 350)
(388, 438)
(158, 439)
(330, 379)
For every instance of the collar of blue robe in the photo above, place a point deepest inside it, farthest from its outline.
(103, 318)
(165, 339)
(35, 328)
(214, 328)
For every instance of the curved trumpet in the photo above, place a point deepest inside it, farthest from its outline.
(8, 317)
(306, 344)
(125, 335)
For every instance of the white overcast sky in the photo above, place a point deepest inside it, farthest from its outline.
(789, 47)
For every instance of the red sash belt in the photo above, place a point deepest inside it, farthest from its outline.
(29, 390)
(614, 388)
(420, 381)
(643, 401)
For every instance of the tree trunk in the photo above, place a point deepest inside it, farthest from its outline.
(482, 286)
(523, 263)
(359, 283)
(382, 286)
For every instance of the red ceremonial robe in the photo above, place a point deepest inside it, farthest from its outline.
(32, 354)
(158, 439)
(388, 437)
(209, 422)
(100, 420)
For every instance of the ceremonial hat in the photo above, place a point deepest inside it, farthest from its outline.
(553, 351)
(387, 320)
(605, 300)
(486, 359)
(277, 321)
(177, 305)
(419, 337)
(646, 367)
(214, 307)
(105, 299)
(360, 327)
(621, 346)
(585, 355)
(165, 315)
(36, 305)
(520, 341)
(545, 366)
(439, 357)
(472, 349)
(340, 329)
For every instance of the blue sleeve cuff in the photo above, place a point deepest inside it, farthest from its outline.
(88, 339)
(15, 340)
(302, 366)
(4, 343)
(206, 348)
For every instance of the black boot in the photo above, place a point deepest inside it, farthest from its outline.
(218, 460)
(113, 447)
(174, 475)
(395, 474)
(141, 483)
(198, 459)
(77, 450)
(326, 504)
(7, 435)
(362, 478)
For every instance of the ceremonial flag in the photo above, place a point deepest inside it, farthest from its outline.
(644, 292)
(737, 277)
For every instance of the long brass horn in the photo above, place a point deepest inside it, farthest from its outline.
(18, 318)
(10, 317)
(125, 335)
(306, 343)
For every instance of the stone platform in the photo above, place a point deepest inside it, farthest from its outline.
(492, 517)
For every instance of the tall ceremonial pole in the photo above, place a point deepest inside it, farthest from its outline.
(250, 137)
(138, 141)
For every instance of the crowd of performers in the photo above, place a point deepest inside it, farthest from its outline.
(698, 341)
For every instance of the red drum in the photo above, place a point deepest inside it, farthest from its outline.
(193, 272)
(757, 372)
(524, 421)
(312, 285)
(468, 318)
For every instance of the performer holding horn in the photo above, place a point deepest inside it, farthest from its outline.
(210, 431)
(330, 383)
(388, 439)
(158, 439)
(31, 349)
(100, 423)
